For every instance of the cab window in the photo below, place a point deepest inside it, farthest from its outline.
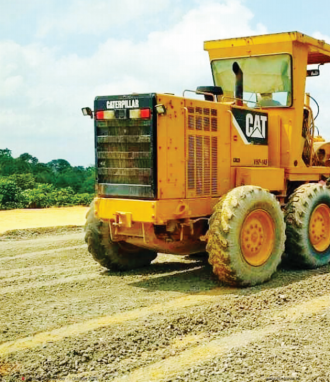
(267, 80)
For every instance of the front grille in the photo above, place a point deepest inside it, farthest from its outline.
(124, 155)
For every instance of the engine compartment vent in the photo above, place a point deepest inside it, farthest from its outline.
(202, 151)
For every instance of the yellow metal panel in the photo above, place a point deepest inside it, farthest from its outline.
(250, 50)
(140, 210)
(321, 170)
(319, 51)
(300, 53)
(307, 174)
(267, 39)
(157, 212)
(224, 157)
(270, 178)
(274, 140)
(170, 148)
(303, 177)
(181, 209)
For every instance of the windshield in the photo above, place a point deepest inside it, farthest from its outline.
(266, 79)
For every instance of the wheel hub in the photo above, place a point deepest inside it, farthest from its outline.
(319, 228)
(257, 237)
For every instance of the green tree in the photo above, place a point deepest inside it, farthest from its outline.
(88, 185)
(23, 181)
(28, 158)
(5, 153)
(7, 162)
(10, 194)
(59, 165)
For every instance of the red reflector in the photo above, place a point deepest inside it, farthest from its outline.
(145, 113)
(99, 115)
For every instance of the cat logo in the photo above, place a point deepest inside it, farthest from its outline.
(255, 125)
(252, 126)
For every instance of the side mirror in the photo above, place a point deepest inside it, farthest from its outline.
(87, 111)
(313, 72)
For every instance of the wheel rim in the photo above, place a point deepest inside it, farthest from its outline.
(319, 228)
(257, 237)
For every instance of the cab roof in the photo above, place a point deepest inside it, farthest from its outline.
(318, 50)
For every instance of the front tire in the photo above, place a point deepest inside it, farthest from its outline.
(246, 236)
(116, 256)
(307, 216)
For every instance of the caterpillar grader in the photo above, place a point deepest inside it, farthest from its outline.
(237, 171)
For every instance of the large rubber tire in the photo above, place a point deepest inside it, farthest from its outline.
(228, 229)
(116, 256)
(306, 200)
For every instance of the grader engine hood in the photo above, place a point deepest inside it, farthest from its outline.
(124, 141)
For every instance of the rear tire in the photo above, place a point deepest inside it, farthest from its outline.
(246, 236)
(117, 256)
(307, 217)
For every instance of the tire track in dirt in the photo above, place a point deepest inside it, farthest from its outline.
(56, 314)
(116, 319)
(41, 253)
(31, 245)
(27, 272)
(49, 272)
(289, 315)
(172, 366)
(41, 284)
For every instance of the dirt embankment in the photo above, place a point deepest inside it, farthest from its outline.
(63, 317)
(46, 217)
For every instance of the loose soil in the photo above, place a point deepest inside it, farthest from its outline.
(63, 317)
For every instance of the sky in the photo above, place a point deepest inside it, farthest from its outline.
(57, 55)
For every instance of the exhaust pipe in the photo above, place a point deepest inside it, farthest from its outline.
(238, 84)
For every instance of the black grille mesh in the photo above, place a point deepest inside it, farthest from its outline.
(202, 167)
(124, 155)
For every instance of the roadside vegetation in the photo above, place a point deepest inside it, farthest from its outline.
(27, 183)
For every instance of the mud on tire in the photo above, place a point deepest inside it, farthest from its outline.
(118, 256)
(230, 215)
(309, 205)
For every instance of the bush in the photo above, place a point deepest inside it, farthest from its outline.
(63, 197)
(46, 195)
(10, 194)
(83, 199)
(40, 197)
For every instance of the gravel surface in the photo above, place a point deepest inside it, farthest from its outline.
(63, 317)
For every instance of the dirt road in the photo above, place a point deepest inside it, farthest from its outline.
(63, 317)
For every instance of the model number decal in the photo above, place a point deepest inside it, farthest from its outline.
(260, 162)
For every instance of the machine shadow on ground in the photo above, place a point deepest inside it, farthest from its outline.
(196, 276)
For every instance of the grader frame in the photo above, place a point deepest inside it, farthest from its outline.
(203, 150)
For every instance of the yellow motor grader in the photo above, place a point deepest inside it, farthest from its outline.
(238, 171)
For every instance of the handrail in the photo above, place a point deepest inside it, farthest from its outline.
(199, 92)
